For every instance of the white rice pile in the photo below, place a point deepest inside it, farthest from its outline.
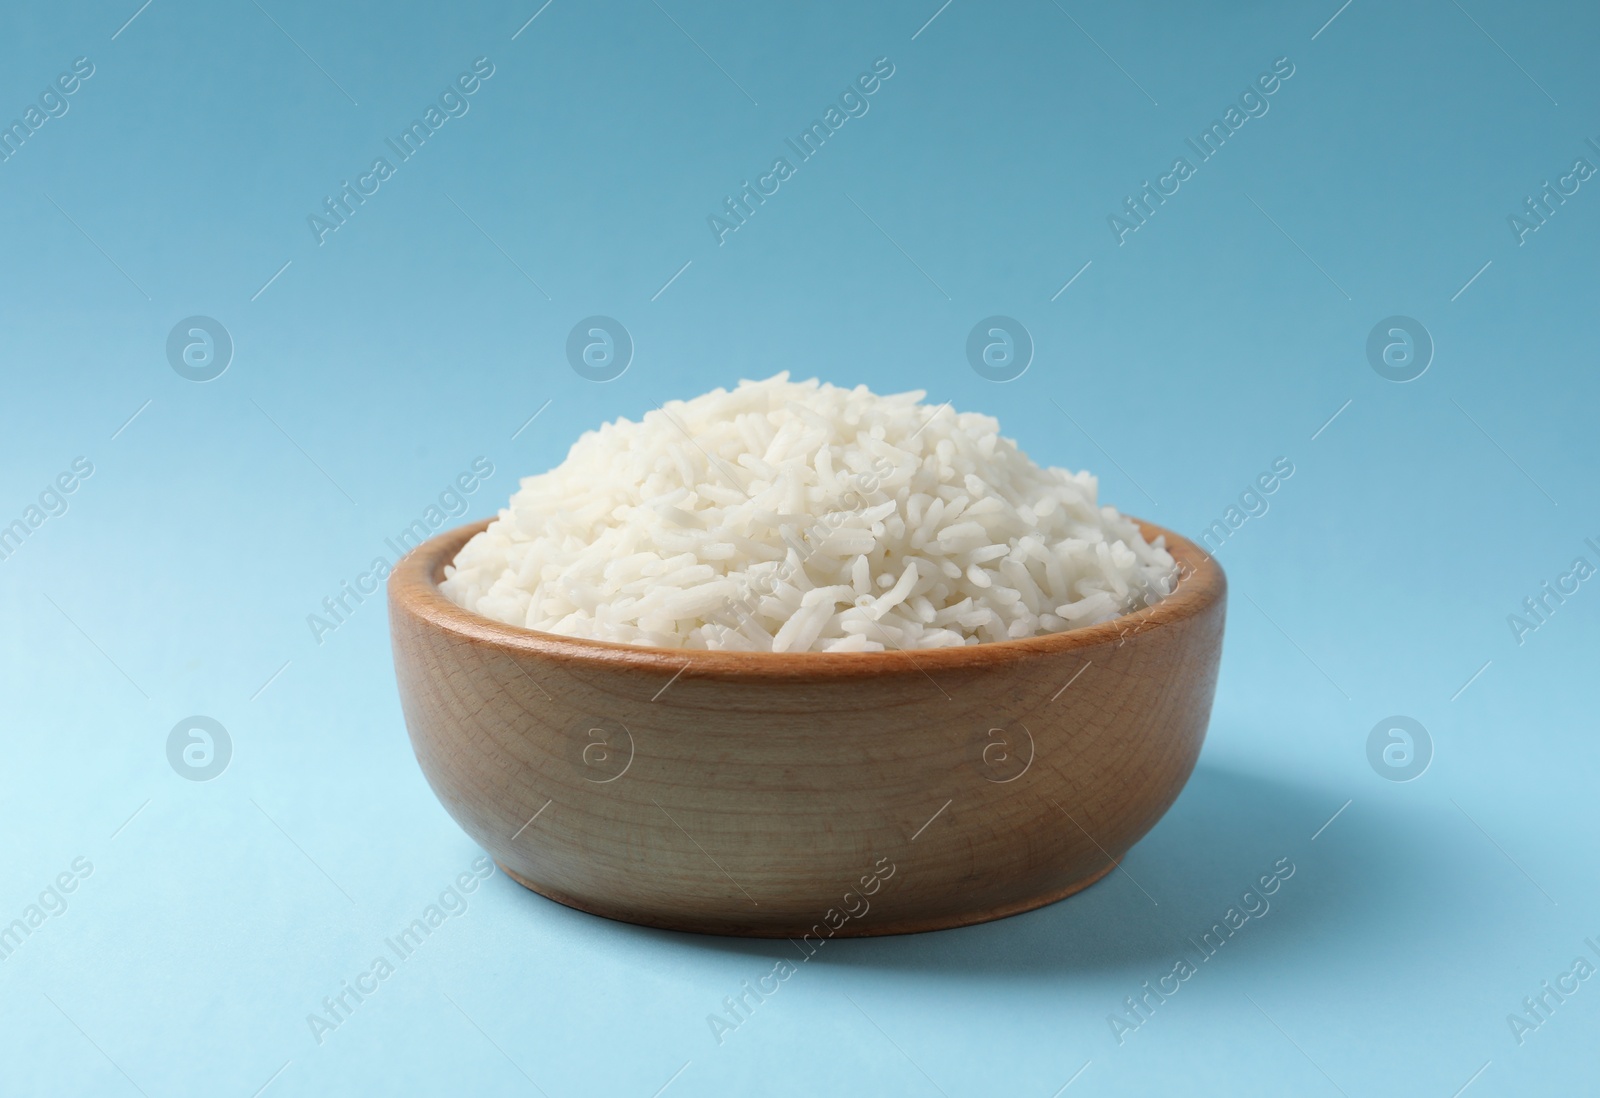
(793, 517)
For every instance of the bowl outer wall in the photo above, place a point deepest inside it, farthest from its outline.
(790, 794)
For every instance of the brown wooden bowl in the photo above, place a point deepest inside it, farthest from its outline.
(806, 795)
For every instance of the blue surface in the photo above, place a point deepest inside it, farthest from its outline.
(208, 919)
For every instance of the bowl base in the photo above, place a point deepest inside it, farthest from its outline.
(851, 930)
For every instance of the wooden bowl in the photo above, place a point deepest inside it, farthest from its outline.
(806, 795)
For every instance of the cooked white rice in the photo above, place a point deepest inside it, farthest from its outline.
(794, 517)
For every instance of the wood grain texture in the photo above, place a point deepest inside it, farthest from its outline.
(796, 794)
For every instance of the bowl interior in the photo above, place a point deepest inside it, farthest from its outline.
(418, 575)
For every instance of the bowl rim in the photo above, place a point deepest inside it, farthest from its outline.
(413, 588)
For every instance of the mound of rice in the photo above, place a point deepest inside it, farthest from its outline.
(793, 517)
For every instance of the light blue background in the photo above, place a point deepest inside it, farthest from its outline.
(380, 363)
